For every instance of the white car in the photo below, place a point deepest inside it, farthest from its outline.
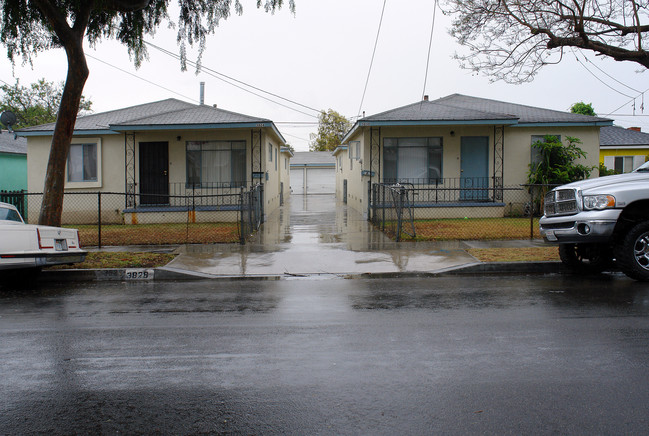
(30, 246)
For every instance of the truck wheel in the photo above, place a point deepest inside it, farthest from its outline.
(585, 258)
(633, 254)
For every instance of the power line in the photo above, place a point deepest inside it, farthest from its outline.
(600, 80)
(376, 42)
(221, 77)
(608, 75)
(296, 137)
(430, 45)
(141, 78)
(631, 101)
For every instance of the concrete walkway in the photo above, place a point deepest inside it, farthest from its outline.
(315, 235)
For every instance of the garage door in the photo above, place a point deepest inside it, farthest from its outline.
(318, 181)
(297, 181)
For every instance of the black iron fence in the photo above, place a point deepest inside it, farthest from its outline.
(451, 190)
(117, 218)
(456, 209)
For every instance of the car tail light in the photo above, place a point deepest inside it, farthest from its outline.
(40, 242)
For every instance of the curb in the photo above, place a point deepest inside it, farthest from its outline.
(170, 274)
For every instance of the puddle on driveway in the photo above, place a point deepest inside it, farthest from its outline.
(315, 235)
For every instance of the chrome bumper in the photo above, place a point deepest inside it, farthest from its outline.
(584, 227)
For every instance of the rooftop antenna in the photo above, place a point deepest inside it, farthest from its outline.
(202, 99)
(9, 119)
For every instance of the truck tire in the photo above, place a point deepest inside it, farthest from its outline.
(586, 258)
(633, 254)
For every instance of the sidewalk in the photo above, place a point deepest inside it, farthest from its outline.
(312, 235)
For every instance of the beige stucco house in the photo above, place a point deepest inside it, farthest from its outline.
(461, 152)
(157, 154)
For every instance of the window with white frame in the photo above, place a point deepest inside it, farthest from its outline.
(623, 164)
(83, 163)
(412, 160)
(270, 152)
(216, 163)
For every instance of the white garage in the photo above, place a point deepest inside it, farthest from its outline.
(313, 173)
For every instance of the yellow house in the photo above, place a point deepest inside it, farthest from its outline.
(623, 150)
(459, 153)
(165, 160)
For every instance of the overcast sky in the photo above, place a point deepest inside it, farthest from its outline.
(320, 58)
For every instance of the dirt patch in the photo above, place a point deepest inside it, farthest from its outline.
(159, 234)
(121, 260)
(528, 254)
(474, 228)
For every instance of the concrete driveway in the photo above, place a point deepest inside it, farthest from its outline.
(314, 234)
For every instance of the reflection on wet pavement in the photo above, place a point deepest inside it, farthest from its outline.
(313, 235)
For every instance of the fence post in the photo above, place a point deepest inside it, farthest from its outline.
(98, 219)
(383, 189)
(531, 212)
(242, 238)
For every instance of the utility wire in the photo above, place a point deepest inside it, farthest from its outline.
(221, 76)
(376, 42)
(608, 75)
(630, 101)
(296, 137)
(141, 78)
(430, 45)
(600, 80)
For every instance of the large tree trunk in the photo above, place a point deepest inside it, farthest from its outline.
(52, 205)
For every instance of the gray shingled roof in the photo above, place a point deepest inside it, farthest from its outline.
(10, 145)
(459, 108)
(159, 113)
(620, 137)
(316, 158)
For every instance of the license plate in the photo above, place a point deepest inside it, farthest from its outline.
(60, 245)
(550, 236)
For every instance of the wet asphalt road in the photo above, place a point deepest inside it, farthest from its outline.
(453, 355)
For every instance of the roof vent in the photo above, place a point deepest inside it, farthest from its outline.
(425, 98)
(637, 129)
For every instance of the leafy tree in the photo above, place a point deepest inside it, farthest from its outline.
(36, 104)
(556, 164)
(28, 27)
(332, 127)
(583, 108)
(511, 40)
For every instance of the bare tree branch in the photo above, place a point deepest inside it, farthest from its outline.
(511, 40)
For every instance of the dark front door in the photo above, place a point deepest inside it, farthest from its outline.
(474, 168)
(154, 173)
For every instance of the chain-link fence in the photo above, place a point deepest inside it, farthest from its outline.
(113, 218)
(457, 211)
(252, 212)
